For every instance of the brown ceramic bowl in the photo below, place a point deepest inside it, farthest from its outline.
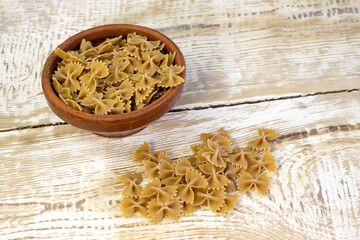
(116, 125)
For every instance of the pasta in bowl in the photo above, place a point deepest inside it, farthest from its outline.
(114, 80)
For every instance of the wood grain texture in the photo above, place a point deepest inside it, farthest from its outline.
(51, 191)
(290, 65)
(236, 51)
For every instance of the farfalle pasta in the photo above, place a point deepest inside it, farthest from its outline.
(213, 176)
(229, 203)
(98, 70)
(194, 179)
(144, 152)
(115, 77)
(151, 168)
(124, 91)
(241, 157)
(143, 43)
(248, 181)
(215, 179)
(214, 199)
(166, 169)
(162, 193)
(68, 57)
(230, 170)
(68, 74)
(262, 142)
(130, 205)
(158, 210)
(100, 105)
(266, 162)
(221, 132)
(117, 74)
(182, 165)
(132, 183)
(214, 153)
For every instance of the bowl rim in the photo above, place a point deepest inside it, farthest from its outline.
(54, 100)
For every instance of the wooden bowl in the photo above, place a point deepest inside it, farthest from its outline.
(116, 125)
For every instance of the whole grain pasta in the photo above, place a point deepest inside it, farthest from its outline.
(262, 142)
(131, 72)
(193, 180)
(162, 193)
(213, 176)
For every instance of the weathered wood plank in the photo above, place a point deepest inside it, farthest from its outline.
(51, 190)
(236, 51)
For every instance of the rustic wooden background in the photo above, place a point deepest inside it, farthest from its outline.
(290, 65)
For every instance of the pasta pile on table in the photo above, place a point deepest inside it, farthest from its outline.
(116, 76)
(211, 177)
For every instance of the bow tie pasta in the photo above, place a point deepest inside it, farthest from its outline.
(116, 76)
(213, 177)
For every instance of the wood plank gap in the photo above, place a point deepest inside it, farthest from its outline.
(34, 126)
(265, 100)
(207, 107)
(318, 131)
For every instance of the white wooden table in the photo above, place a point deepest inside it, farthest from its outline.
(290, 65)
